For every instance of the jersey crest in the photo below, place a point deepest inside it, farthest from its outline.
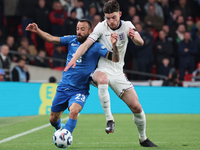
(121, 36)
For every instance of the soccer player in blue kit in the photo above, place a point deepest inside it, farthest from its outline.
(73, 89)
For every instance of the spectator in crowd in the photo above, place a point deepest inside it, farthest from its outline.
(96, 20)
(191, 27)
(60, 54)
(57, 18)
(169, 37)
(180, 33)
(10, 41)
(172, 79)
(69, 26)
(2, 75)
(25, 44)
(80, 11)
(26, 10)
(164, 50)
(179, 20)
(157, 8)
(20, 72)
(11, 14)
(40, 59)
(66, 4)
(5, 61)
(138, 5)
(52, 79)
(136, 19)
(185, 8)
(154, 19)
(41, 17)
(166, 10)
(23, 54)
(98, 5)
(196, 73)
(165, 67)
(145, 53)
(131, 13)
(172, 19)
(92, 13)
(187, 50)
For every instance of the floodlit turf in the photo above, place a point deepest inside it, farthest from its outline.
(169, 132)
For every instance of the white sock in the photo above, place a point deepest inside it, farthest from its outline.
(140, 121)
(105, 100)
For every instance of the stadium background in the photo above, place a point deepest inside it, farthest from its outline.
(36, 99)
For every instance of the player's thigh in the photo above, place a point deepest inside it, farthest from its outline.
(131, 99)
(78, 97)
(119, 83)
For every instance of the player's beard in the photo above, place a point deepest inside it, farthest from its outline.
(81, 38)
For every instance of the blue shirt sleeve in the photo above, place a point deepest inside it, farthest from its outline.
(64, 41)
(101, 49)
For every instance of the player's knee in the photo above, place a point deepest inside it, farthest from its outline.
(137, 109)
(53, 119)
(74, 112)
(103, 80)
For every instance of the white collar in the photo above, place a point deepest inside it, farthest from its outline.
(3, 57)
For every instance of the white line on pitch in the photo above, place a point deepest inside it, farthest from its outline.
(29, 131)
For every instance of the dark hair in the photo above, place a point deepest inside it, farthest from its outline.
(73, 10)
(88, 22)
(52, 79)
(111, 7)
(21, 59)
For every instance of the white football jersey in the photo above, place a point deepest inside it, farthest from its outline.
(101, 34)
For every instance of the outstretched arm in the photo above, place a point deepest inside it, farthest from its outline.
(115, 53)
(44, 35)
(136, 38)
(80, 51)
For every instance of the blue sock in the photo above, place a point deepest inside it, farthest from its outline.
(71, 124)
(57, 125)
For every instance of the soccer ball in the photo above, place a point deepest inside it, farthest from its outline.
(62, 138)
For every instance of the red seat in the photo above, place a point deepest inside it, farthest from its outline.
(49, 48)
(59, 68)
(188, 77)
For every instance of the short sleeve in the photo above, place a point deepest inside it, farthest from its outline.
(64, 41)
(97, 32)
(130, 25)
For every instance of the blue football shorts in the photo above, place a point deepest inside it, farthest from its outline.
(66, 96)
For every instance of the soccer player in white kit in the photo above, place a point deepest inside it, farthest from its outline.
(109, 73)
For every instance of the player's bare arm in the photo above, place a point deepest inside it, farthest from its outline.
(33, 27)
(136, 38)
(115, 53)
(80, 51)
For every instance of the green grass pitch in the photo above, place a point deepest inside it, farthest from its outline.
(168, 131)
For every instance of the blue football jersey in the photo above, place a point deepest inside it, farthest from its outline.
(78, 77)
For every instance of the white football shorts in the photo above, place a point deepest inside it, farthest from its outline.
(118, 82)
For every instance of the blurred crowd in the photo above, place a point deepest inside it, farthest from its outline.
(170, 30)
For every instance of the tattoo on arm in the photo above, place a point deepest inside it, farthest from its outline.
(115, 54)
